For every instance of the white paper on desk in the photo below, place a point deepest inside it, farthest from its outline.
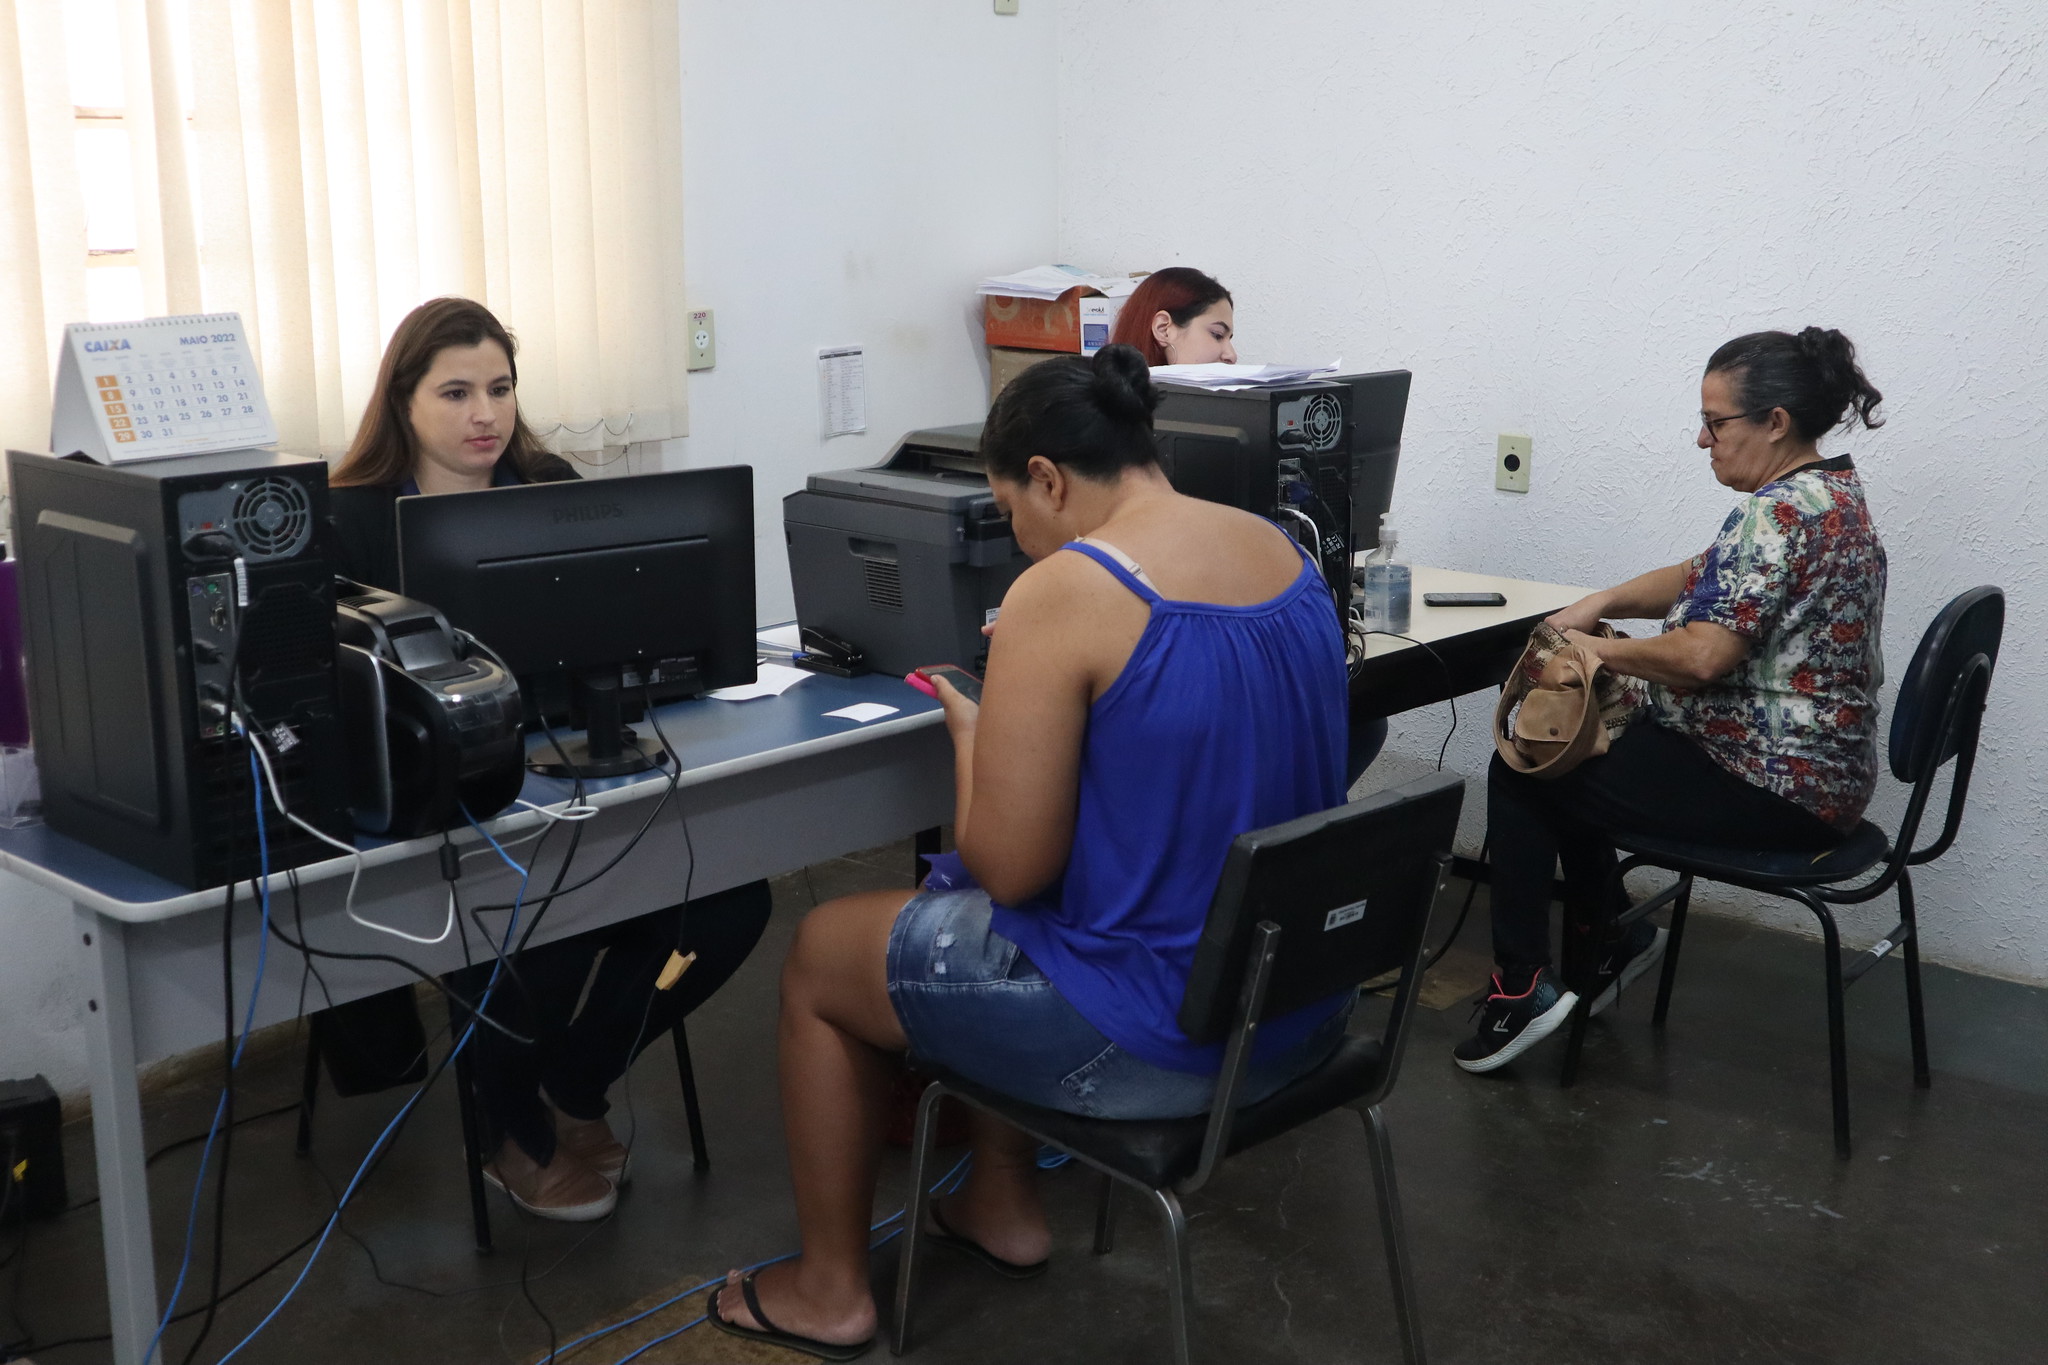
(862, 712)
(770, 680)
(781, 637)
(1230, 378)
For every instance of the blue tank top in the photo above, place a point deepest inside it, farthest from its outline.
(1225, 719)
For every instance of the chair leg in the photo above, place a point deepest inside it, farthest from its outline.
(1575, 968)
(1105, 1218)
(1183, 1276)
(309, 1093)
(1407, 1314)
(687, 1074)
(472, 1153)
(914, 1211)
(1838, 1033)
(1916, 1017)
(1671, 947)
(1575, 1042)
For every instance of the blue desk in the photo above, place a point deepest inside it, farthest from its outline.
(767, 785)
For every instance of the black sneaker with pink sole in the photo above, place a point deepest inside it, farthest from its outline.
(1510, 1025)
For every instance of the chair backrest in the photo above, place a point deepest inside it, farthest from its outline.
(1927, 731)
(1350, 889)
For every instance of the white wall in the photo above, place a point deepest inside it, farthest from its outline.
(1553, 212)
(850, 170)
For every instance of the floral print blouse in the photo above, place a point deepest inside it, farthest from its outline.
(1798, 571)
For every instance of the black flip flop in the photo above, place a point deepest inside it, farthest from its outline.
(942, 1233)
(772, 1335)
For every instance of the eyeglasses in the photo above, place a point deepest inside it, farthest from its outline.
(1712, 425)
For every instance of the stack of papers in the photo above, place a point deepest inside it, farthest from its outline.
(1226, 378)
(1051, 281)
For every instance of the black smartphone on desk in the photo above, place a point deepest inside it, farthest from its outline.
(1463, 599)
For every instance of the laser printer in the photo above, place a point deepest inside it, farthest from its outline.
(903, 560)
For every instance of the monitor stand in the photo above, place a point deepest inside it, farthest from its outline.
(608, 747)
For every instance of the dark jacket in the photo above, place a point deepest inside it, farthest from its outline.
(365, 520)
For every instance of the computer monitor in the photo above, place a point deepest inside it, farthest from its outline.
(596, 594)
(1379, 409)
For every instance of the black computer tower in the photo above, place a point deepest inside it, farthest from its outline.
(1283, 453)
(1340, 439)
(131, 623)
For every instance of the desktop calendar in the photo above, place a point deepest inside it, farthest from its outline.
(163, 386)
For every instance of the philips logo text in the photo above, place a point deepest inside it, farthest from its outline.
(590, 511)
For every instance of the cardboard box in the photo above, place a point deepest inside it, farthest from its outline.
(1098, 320)
(1071, 322)
(1006, 363)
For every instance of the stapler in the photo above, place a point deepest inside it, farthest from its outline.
(824, 652)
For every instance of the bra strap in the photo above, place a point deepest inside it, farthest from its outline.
(1122, 574)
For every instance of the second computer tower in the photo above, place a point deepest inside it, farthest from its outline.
(132, 584)
(1326, 450)
(1283, 453)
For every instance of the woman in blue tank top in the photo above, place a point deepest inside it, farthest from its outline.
(1167, 675)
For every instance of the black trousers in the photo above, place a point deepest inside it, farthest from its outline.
(578, 1054)
(1653, 782)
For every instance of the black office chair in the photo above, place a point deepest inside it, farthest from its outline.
(465, 1098)
(1936, 719)
(1302, 911)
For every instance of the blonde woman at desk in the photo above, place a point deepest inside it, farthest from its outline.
(444, 418)
(1168, 674)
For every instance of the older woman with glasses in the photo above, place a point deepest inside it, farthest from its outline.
(1762, 726)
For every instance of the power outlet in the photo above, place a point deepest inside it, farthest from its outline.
(703, 340)
(1006, 6)
(1511, 464)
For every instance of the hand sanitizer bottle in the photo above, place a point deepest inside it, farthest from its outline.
(1388, 585)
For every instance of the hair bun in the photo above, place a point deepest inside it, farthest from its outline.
(1122, 384)
(1824, 345)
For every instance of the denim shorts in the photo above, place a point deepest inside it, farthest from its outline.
(971, 1001)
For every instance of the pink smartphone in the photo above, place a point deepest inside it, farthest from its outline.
(965, 683)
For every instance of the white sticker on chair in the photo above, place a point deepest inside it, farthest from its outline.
(1343, 915)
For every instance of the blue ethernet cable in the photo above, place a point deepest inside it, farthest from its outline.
(348, 1193)
(235, 1060)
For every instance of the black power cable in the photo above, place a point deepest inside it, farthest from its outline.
(225, 1120)
(539, 909)
(18, 1258)
(1429, 963)
(301, 946)
(227, 1111)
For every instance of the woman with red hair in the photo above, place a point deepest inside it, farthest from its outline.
(1179, 316)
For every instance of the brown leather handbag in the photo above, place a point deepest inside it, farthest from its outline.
(1561, 706)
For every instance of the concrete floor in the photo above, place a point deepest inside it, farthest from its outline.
(1682, 1203)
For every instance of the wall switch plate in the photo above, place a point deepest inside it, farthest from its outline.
(1006, 6)
(703, 340)
(1511, 464)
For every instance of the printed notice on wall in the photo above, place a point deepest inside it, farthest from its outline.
(843, 390)
(163, 386)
